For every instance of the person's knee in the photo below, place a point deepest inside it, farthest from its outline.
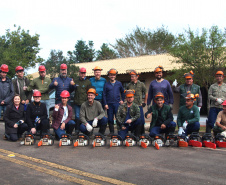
(71, 122)
(13, 138)
(104, 121)
(172, 124)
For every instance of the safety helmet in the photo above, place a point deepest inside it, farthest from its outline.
(19, 68)
(191, 96)
(132, 72)
(97, 68)
(63, 66)
(113, 71)
(82, 70)
(64, 94)
(158, 69)
(219, 73)
(42, 68)
(92, 90)
(189, 75)
(4, 68)
(129, 93)
(37, 93)
(224, 103)
(159, 95)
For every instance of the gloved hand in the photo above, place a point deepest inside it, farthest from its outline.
(175, 83)
(89, 127)
(219, 100)
(185, 125)
(171, 106)
(95, 122)
(143, 104)
(180, 131)
(223, 133)
(199, 108)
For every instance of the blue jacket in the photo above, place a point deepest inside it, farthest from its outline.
(111, 94)
(63, 84)
(99, 85)
(6, 90)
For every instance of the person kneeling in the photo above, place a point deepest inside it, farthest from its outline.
(128, 116)
(162, 117)
(37, 115)
(188, 116)
(14, 120)
(62, 116)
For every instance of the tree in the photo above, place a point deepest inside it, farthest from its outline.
(144, 42)
(204, 54)
(55, 60)
(19, 48)
(105, 53)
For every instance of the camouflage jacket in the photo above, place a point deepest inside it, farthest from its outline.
(216, 91)
(122, 112)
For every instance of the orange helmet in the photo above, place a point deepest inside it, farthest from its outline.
(37, 94)
(191, 96)
(224, 103)
(133, 72)
(189, 75)
(4, 68)
(19, 68)
(158, 69)
(41, 68)
(97, 68)
(64, 94)
(219, 73)
(92, 90)
(159, 95)
(129, 93)
(63, 66)
(113, 71)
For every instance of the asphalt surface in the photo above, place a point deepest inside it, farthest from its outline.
(104, 165)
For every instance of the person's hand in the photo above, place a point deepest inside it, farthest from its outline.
(24, 88)
(62, 127)
(33, 130)
(163, 126)
(123, 128)
(23, 102)
(149, 115)
(56, 107)
(95, 122)
(106, 107)
(72, 82)
(219, 100)
(129, 121)
(89, 127)
(39, 121)
(15, 125)
(27, 101)
(2, 103)
(175, 83)
(223, 127)
(185, 125)
(121, 102)
(171, 106)
(22, 121)
(180, 131)
(55, 83)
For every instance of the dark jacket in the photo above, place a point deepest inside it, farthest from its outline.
(81, 88)
(6, 90)
(34, 110)
(58, 115)
(11, 116)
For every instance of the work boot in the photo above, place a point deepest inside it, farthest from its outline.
(102, 129)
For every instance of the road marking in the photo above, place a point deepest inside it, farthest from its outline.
(68, 169)
(48, 171)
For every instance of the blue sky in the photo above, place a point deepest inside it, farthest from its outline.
(61, 23)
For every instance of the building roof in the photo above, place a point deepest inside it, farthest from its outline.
(142, 64)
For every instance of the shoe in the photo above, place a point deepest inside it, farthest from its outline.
(6, 136)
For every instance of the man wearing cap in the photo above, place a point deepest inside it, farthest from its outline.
(162, 117)
(20, 86)
(128, 116)
(188, 86)
(61, 83)
(41, 84)
(160, 85)
(113, 96)
(188, 116)
(92, 114)
(216, 96)
(140, 89)
(6, 88)
(98, 82)
(82, 84)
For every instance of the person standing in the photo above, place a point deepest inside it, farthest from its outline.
(113, 96)
(216, 96)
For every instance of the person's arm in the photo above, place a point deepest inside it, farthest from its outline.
(101, 111)
(28, 117)
(150, 95)
(119, 118)
(179, 118)
(104, 94)
(170, 93)
(144, 90)
(82, 114)
(148, 112)
(51, 85)
(31, 85)
(55, 112)
(45, 115)
(71, 87)
(137, 110)
(169, 117)
(210, 94)
(196, 116)
(122, 92)
(176, 89)
(199, 99)
(69, 116)
(6, 117)
(11, 94)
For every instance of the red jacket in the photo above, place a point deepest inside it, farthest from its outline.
(58, 115)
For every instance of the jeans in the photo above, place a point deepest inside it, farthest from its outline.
(2, 108)
(68, 127)
(192, 128)
(157, 130)
(112, 110)
(77, 111)
(213, 116)
(47, 102)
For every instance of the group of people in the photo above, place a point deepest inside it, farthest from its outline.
(95, 95)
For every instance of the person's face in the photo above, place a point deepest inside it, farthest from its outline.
(189, 81)
(224, 108)
(16, 100)
(219, 78)
(130, 99)
(158, 75)
(134, 78)
(82, 75)
(3, 74)
(42, 73)
(63, 72)
(112, 77)
(97, 74)
(189, 102)
(37, 99)
(20, 74)
(64, 100)
(159, 102)
(91, 97)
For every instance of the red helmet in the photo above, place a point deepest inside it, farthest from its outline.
(37, 93)
(63, 66)
(224, 103)
(82, 70)
(19, 68)
(4, 68)
(42, 68)
(65, 94)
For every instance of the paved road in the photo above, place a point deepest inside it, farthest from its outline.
(119, 165)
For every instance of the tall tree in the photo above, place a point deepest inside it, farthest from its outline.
(144, 42)
(105, 53)
(203, 53)
(19, 48)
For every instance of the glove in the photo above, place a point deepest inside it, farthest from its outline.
(223, 133)
(175, 83)
(219, 100)
(143, 104)
(89, 127)
(180, 131)
(185, 125)
(95, 122)
(171, 106)
(199, 108)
